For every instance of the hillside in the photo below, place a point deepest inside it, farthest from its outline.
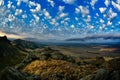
(10, 55)
(23, 44)
(6, 48)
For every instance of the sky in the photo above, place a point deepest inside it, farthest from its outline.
(59, 19)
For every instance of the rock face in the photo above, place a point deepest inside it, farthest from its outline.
(49, 53)
(103, 74)
(110, 72)
(113, 64)
(4, 40)
(10, 73)
(29, 58)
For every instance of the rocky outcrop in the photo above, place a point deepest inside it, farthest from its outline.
(4, 40)
(29, 58)
(103, 74)
(111, 71)
(11, 73)
(49, 53)
(6, 48)
(113, 64)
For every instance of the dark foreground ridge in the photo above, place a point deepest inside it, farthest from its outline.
(6, 48)
(4, 40)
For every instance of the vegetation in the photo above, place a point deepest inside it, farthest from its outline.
(58, 69)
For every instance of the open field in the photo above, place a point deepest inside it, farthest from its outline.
(89, 50)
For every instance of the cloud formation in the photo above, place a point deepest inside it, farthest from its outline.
(97, 37)
(69, 1)
(59, 18)
(12, 36)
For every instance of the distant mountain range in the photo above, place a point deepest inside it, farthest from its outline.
(96, 38)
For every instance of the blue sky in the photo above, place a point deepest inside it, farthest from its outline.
(59, 19)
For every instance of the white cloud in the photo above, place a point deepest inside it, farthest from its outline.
(77, 10)
(119, 22)
(91, 27)
(32, 3)
(72, 26)
(76, 18)
(45, 27)
(51, 3)
(18, 2)
(67, 19)
(13, 7)
(102, 27)
(47, 14)
(82, 9)
(117, 6)
(54, 23)
(104, 15)
(37, 8)
(18, 12)
(9, 4)
(63, 15)
(88, 19)
(1, 2)
(93, 2)
(36, 18)
(101, 20)
(25, 1)
(109, 23)
(118, 1)
(11, 17)
(62, 22)
(24, 16)
(97, 14)
(102, 10)
(33, 10)
(111, 14)
(69, 1)
(107, 2)
(61, 8)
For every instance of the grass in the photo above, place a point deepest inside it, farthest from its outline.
(48, 68)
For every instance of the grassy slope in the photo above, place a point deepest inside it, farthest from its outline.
(48, 68)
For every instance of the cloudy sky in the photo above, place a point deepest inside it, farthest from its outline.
(59, 19)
